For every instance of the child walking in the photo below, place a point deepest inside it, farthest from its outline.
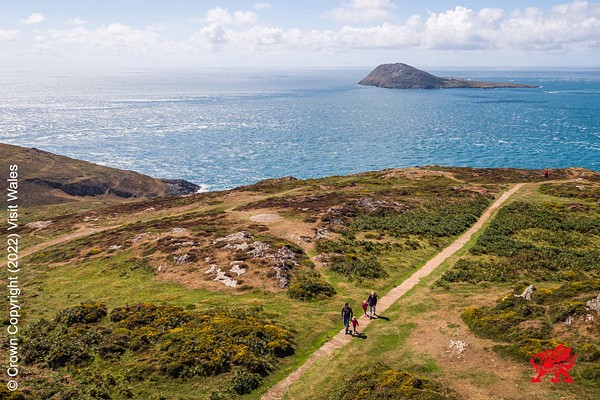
(364, 306)
(354, 325)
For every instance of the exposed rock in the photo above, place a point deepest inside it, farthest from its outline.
(457, 346)
(183, 244)
(224, 279)
(179, 231)
(115, 247)
(237, 269)
(182, 259)
(177, 187)
(322, 233)
(234, 237)
(594, 304)
(138, 238)
(38, 224)
(212, 269)
(373, 205)
(527, 292)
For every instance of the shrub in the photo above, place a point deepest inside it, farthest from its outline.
(591, 373)
(358, 268)
(379, 382)
(245, 382)
(159, 340)
(531, 326)
(534, 241)
(87, 312)
(524, 349)
(309, 286)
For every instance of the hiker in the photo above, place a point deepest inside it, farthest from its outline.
(364, 306)
(347, 314)
(354, 325)
(546, 174)
(372, 300)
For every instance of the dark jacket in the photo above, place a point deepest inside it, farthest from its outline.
(372, 300)
(347, 312)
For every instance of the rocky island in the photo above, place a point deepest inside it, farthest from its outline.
(403, 76)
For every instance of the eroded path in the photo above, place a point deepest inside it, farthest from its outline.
(338, 341)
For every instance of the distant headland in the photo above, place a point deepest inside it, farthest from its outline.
(402, 76)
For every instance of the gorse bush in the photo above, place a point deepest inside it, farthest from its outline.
(85, 313)
(164, 340)
(379, 382)
(309, 286)
(531, 326)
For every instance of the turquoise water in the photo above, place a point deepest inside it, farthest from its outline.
(228, 128)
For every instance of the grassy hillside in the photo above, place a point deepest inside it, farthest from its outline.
(220, 295)
(47, 178)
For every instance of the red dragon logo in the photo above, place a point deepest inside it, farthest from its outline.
(557, 362)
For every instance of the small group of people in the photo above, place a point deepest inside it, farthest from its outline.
(348, 316)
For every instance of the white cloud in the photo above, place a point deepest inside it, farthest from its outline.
(362, 11)
(569, 27)
(262, 6)
(222, 16)
(76, 21)
(34, 18)
(114, 36)
(9, 35)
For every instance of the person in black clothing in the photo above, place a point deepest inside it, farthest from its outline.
(347, 315)
(372, 300)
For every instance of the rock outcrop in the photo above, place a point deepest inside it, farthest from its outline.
(46, 178)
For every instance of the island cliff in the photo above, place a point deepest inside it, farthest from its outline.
(402, 76)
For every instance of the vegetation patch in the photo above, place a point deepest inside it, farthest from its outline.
(548, 242)
(548, 318)
(578, 190)
(309, 286)
(421, 225)
(379, 382)
(158, 342)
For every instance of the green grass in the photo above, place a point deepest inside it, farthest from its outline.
(66, 275)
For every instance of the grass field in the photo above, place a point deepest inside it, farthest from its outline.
(360, 233)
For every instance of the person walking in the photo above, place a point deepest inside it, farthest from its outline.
(354, 325)
(372, 300)
(347, 315)
(364, 306)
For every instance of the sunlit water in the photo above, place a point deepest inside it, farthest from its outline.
(226, 128)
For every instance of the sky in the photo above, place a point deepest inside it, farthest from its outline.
(80, 34)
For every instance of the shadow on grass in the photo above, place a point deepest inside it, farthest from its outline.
(381, 317)
(360, 336)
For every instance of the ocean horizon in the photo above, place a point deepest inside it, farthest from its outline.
(226, 128)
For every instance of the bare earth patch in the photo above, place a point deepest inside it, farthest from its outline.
(265, 218)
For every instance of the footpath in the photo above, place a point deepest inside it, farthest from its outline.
(341, 339)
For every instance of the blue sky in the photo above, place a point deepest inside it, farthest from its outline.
(63, 34)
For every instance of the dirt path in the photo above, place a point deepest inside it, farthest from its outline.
(279, 390)
(64, 239)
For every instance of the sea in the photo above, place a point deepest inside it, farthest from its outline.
(225, 128)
